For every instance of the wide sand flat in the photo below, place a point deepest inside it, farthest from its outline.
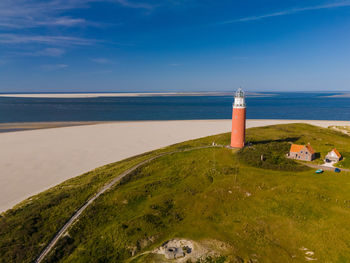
(131, 94)
(114, 94)
(33, 161)
(26, 126)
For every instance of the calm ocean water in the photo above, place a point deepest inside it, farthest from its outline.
(313, 106)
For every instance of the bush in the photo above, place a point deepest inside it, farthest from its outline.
(271, 155)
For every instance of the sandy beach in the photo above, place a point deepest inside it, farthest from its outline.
(35, 160)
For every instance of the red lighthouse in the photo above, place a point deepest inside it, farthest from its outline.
(238, 120)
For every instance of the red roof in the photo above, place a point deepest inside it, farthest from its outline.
(295, 148)
(336, 152)
(311, 150)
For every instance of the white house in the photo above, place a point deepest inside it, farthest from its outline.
(333, 156)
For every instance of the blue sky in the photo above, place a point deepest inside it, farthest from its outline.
(174, 45)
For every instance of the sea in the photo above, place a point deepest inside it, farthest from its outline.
(303, 106)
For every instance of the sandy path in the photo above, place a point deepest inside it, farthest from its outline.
(32, 161)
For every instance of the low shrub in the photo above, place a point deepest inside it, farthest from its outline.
(270, 155)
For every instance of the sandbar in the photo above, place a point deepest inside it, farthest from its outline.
(345, 95)
(26, 126)
(130, 94)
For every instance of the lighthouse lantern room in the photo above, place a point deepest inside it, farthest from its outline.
(238, 120)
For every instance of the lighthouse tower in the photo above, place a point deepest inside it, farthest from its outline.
(238, 120)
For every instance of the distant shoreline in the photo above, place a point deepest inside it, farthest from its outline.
(130, 94)
(28, 126)
(344, 95)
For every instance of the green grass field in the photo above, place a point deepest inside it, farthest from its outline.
(345, 162)
(274, 210)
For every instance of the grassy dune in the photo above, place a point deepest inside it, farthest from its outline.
(274, 210)
(345, 129)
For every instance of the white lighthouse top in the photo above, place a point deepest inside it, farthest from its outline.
(239, 99)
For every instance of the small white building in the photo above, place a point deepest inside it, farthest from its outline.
(333, 156)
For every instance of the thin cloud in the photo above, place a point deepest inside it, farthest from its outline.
(17, 16)
(138, 5)
(287, 12)
(41, 39)
(52, 52)
(25, 14)
(64, 21)
(47, 52)
(21, 14)
(54, 67)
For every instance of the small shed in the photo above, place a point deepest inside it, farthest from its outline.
(333, 156)
(302, 152)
